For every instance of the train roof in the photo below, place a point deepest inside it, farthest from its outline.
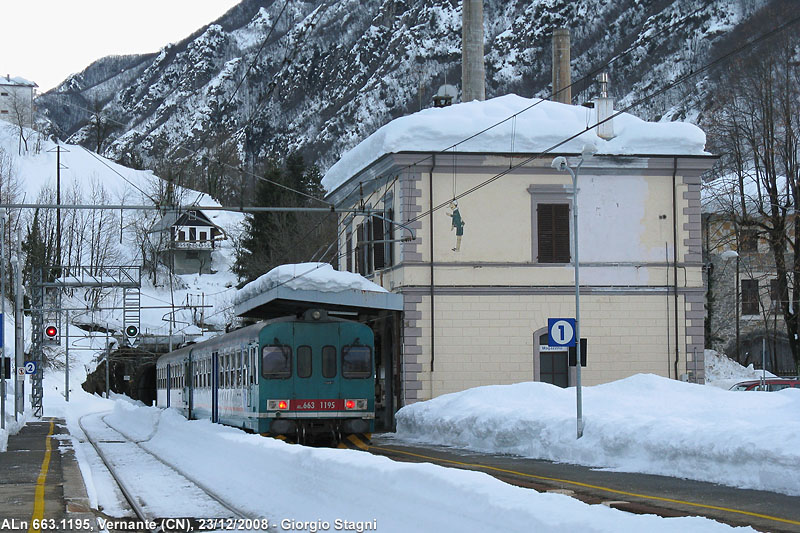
(238, 336)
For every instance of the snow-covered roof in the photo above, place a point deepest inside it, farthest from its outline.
(289, 289)
(17, 80)
(544, 125)
(307, 276)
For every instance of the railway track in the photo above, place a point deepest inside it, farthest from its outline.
(161, 497)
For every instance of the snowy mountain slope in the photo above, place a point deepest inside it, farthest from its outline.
(334, 71)
(95, 237)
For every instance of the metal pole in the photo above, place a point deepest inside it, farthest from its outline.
(19, 333)
(763, 362)
(579, 396)
(66, 356)
(3, 317)
(108, 364)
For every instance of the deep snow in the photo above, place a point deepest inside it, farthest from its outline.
(644, 423)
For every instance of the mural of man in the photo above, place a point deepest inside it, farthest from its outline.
(457, 224)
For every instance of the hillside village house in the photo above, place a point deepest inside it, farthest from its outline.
(482, 275)
(185, 241)
(16, 100)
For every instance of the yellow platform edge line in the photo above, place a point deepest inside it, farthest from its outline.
(597, 487)
(38, 501)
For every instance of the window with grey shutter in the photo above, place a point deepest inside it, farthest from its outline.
(553, 233)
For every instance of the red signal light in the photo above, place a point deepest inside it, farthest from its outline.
(51, 331)
(283, 405)
(350, 404)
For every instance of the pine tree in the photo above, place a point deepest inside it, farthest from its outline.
(271, 239)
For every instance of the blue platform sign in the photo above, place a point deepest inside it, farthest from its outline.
(561, 332)
(30, 367)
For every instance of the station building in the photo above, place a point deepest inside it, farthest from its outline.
(478, 236)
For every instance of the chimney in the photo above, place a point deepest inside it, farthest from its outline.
(472, 71)
(561, 76)
(605, 108)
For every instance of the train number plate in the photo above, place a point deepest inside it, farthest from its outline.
(316, 405)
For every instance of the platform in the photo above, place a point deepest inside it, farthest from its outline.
(40, 479)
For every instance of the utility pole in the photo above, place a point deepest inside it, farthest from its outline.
(3, 317)
(19, 344)
(66, 356)
(108, 364)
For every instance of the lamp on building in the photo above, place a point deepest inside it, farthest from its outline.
(560, 164)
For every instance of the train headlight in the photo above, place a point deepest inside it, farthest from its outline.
(355, 405)
(277, 405)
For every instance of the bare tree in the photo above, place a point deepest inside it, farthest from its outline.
(755, 126)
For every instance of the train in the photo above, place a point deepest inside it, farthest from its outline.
(303, 377)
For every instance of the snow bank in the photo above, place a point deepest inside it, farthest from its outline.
(644, 423)
(306, 276)
(269, 477)
(724, 372)
(535, 130)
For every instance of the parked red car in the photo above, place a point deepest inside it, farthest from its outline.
(770, 384)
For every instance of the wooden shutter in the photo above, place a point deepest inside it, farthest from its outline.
(377, 235)
(349, 251)
(360, 255)
(553, 233)
(749, 296)
(390, 236)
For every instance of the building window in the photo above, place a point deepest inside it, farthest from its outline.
(181, 235)
(203, 235)
(748, 241)
(553, 233)
(192, 234)
(749, 296)
(349, 250)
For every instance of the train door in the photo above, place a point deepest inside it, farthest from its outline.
(215, 387)
(188, 386)
(169, 383)
(317, 363)
(252, 378)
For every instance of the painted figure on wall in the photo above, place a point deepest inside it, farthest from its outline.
(457, 223)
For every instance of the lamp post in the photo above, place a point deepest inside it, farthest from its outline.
(560, 164)
(728, 255)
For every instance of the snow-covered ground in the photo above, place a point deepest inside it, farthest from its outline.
(644, 423)
(270, 478)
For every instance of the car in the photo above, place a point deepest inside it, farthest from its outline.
(769, 384)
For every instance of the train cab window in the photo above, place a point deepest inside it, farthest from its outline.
(276, 362)
(328, 361)
(356, 362)
(304, 361)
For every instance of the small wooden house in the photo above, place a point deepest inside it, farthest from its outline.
(185, 241)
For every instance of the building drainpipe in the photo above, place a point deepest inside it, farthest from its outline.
(433, 336)
(675, 255)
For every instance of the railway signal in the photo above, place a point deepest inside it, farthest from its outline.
(51, 333)
(131, 332)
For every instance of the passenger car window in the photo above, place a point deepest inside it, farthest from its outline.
(356, 362)
(303, 361)
(276, 362)
(328, 362)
